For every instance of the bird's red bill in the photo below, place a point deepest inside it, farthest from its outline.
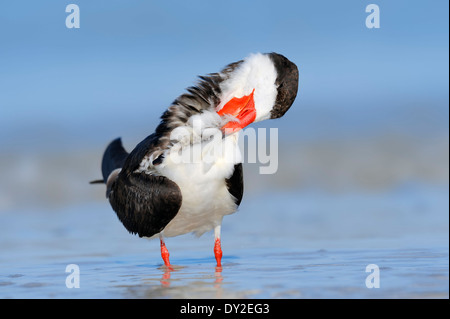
(243, 109)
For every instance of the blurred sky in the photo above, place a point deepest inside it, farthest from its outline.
(130, 59)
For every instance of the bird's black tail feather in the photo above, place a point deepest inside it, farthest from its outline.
(113, 158)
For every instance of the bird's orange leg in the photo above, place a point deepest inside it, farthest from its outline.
(217, 246)
(218, 252)
(164, 252)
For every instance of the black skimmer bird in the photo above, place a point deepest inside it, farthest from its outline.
(172, 183)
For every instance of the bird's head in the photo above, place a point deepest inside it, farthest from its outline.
(260, 87)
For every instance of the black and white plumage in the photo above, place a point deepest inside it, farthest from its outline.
(155, 191)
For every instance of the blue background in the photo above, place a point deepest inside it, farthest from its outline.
(115, 75)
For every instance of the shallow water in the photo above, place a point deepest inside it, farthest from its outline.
(286, 245)
(411, 273)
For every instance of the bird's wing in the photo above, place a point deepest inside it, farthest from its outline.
(235, 183)
(144, 203)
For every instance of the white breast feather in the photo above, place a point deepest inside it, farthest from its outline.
(205, 197)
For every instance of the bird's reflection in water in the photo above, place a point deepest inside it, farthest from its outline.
(167, 279)
(219, 277)
(218, 282)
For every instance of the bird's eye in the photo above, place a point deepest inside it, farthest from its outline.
(158, 160)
